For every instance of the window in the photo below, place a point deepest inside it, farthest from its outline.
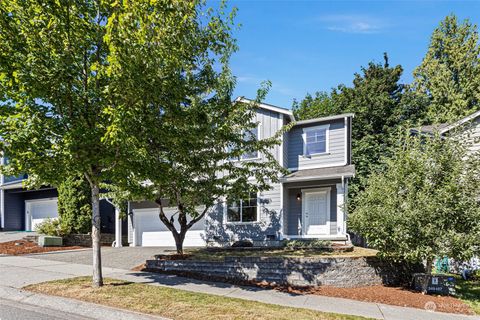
(250, 136)
(315, 140)
(243, 210)
(247, 136)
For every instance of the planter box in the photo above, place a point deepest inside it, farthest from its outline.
(50, 241)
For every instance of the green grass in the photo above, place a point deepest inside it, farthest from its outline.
(469, 292)
(174, 303)
(219, 255)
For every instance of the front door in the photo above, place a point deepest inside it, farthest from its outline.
(315, 207)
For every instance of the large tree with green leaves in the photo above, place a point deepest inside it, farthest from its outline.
(449, 74)
(54, 94)
(425, 204)
(74, 74)
(176, 114)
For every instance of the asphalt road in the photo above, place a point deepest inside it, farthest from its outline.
(10, 310)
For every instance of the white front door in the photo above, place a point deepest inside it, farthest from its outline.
(316, 209)
(37, 211)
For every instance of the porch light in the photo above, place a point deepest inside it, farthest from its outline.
(299, 196)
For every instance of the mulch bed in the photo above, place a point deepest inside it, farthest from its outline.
(391, 295)
(20, 247)
(396, 296)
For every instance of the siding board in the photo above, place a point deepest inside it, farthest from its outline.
(336, 152)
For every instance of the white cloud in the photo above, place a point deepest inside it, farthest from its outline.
(348, 23)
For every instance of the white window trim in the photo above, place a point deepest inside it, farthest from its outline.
(225, 214)
(327, 140)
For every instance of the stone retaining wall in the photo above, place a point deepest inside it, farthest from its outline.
(85, 240)
(300, 272)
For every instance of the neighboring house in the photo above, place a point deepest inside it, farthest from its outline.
(308, 203)
(22, 209)
(467, 128)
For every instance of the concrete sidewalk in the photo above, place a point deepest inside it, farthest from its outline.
(20, 271)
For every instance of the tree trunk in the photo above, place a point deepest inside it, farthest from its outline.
(429, 266)
(97, 256)
(179, 238)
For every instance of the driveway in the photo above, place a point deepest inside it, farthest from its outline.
(124, 258)
(6, 236)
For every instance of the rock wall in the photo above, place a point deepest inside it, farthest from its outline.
(299, 272)
(85, 240)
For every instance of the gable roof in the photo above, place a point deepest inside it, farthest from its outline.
(327, 118)
(460, 122)
(267, 106)
(443, 128)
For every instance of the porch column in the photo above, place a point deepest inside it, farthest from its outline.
(341, 225)
(118, 228)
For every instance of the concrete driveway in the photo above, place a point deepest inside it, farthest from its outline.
(124, 258)
(6, 236)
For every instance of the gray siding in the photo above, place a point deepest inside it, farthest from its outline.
(267, 228)
(270, 123)
(285, 145)
(14, 205)
(336, 152)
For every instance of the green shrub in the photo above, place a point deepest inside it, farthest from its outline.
(74, 205)
(307, 244)
(53, 227)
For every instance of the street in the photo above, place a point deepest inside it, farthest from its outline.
(12, 310)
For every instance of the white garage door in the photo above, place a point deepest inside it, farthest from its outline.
(151, 232)
(39, 210)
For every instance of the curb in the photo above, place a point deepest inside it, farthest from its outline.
(52, 252)
(76, 307)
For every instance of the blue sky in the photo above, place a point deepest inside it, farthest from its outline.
(307, 46)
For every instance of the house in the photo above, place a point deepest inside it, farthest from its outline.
(307, 203)
(467, 128)
(22, 209)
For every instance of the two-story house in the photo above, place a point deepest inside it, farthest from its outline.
(309, 202)
(23, 209)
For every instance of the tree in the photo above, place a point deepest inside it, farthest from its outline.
(74, 204)
(425, 204)
(314, 107)
(449, 74)
(176, 114)
(54, 95)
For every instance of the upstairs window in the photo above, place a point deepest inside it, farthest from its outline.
(244, 210)
(252, 134)
(315, 140)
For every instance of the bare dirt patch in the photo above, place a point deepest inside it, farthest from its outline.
(392, 296)
(20, 247)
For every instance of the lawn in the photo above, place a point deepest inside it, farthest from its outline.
(469, 292)
(174, 303)
(219, 255)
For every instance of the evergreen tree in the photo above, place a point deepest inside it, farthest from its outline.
(449, 74)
